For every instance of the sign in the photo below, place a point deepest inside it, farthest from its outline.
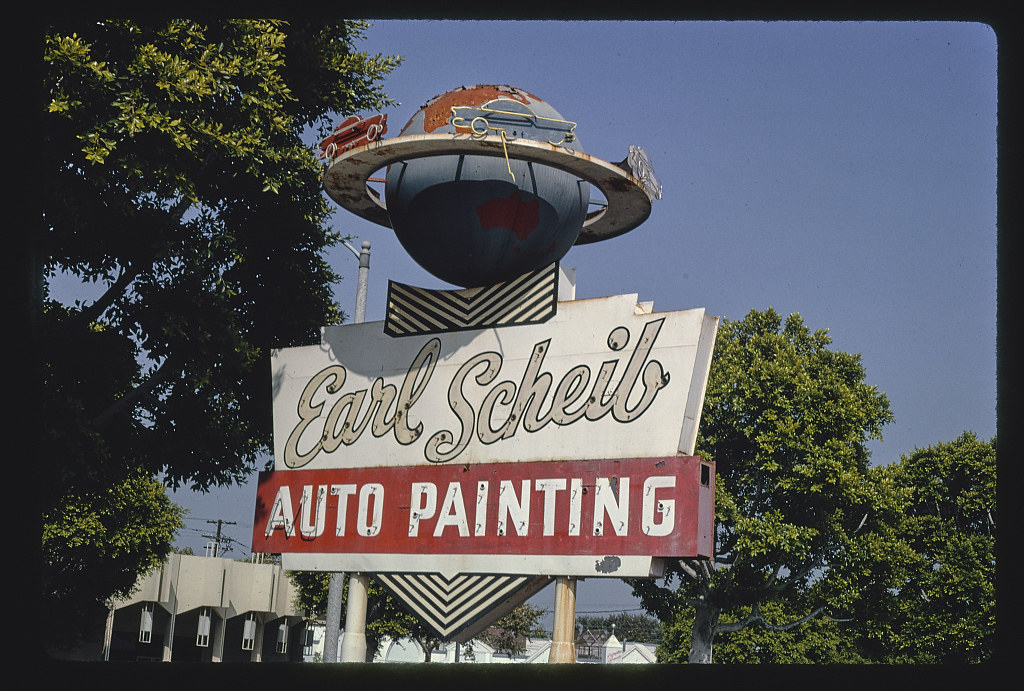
(603, 378)
(608, 517)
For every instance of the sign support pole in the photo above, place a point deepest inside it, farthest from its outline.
(563, 644)
(336, 582)
(353, 645)
(563, 647)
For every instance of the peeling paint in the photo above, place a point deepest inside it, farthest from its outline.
(438, 110)
(608, 565)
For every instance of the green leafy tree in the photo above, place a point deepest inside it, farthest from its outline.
(638, 628)
(179, 177)
(100, 543)
(816, 641)
(786, 420)
(929, 596)
(510, 632)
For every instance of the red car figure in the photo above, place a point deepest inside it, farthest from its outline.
(353, 132)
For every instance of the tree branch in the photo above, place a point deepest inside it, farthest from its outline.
(731, 626)
(688, 570)
(802, 620)
(755, 616)
(126, 403)
(94, 311)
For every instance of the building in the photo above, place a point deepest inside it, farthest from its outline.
(609, 650)
(205, 609)
(209, 609)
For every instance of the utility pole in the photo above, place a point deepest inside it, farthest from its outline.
(217, 538)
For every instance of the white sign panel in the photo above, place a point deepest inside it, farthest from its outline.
(604, 378)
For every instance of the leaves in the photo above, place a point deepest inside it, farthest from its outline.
(940, 601)
(95, 545)
(179, 178)
(785, 420)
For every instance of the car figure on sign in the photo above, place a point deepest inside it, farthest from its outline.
(354, 131)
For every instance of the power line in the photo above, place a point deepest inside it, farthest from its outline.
(218, 537)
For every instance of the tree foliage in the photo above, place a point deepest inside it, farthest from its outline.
(99, 544)
(817, 641)
(786, 420)
(929, 595)
(509, 633)
(638, 628)
(180, 179)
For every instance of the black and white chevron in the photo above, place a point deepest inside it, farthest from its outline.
(451, 605)
(528, 299)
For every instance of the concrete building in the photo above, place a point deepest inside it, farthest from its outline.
(209, 609)
(206, 609)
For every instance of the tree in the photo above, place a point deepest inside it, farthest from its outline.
(816, 641)
(100, 544)
(931, 599)
(786, 421)
(638, 628)
(509, 633)
(178, 177)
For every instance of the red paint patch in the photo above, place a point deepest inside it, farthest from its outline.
(354, 131)
(511, 212)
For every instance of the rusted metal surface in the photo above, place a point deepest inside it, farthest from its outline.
(354, 131)
(629, 201)
(438, 110)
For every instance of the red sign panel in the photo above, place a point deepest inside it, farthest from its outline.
(661, 507)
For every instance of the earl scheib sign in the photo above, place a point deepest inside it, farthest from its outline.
(564, 439)
(602, 379)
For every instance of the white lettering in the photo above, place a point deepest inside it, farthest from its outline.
(550, 487)
(369, 528)
(664, 507)
(342, 492)
(453, 512)
(308, 529)
(515, 508)
(281, 513)
(613, 500)
(481, 508)
(575, 506)
(424, 501)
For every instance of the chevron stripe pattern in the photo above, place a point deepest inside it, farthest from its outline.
(529, 299)
(450, 605)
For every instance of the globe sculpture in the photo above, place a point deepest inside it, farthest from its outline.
(478, 220)
(486, 183)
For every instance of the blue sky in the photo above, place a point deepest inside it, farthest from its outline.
(844, 171)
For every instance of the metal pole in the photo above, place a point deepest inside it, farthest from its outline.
(108, 633)
(364, 273)
(336, 582)
(335, 587)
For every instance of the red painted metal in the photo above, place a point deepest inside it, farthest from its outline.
(553, 524)
(354, 131)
